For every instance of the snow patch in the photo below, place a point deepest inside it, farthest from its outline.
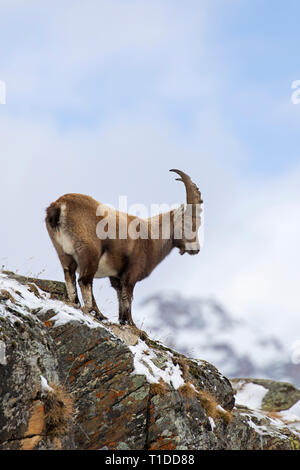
(292, 416)
(25, 300)
(44, 385)
(250, 395)
(144, 365)
(212, 423)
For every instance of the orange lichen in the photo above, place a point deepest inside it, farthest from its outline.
(35, 427)
(162, 443)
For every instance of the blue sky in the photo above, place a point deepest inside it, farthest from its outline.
(246, 50)
(103, 97)
(260, 47)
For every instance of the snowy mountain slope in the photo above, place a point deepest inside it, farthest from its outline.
(201, 328)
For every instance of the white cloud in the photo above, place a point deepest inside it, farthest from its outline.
(250, 258)
(65, 46)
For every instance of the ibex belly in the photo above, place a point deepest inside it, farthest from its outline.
(105, 268)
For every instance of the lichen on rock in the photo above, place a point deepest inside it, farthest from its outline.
(69, 381)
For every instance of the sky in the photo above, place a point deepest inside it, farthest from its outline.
(104, 97)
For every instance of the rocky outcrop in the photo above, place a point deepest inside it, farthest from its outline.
(278, 396)
(27, 355)
(68, 381)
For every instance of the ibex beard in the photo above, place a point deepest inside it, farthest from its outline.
(98, 241)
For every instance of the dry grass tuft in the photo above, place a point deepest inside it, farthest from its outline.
(159, 388)
(58, 407)
(273, 415)
(209, 403)
(142, 335)
(212, 408)
(188, 391)
(225, 414)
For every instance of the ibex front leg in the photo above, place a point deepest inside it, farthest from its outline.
(126, 301)
(90, 305)
(125, 294)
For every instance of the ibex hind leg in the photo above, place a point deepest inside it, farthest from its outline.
(70, 280)
(87, 269)
(69, 266)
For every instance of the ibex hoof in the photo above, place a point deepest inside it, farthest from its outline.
(93, 312)
(73, 304)
(99, 315)
(127, 322)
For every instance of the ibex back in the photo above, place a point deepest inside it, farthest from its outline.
(75, 225)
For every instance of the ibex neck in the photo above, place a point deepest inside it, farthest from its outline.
(165, 229)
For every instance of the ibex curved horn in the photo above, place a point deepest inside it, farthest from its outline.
(193, 195)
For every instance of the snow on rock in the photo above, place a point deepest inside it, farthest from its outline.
(250, 395)
(292, 416)
(27, 303)
(45, 387)
(212, 423)
(21, 301)
(144, 358)
(66, 314)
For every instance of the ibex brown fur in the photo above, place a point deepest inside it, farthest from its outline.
(72, 223)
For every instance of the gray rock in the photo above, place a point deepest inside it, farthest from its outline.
(73, 384)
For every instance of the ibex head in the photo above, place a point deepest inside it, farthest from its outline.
(190, 220)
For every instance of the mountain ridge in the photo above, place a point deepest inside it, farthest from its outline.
(203, 328)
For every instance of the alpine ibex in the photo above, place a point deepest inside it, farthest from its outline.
(74, 223)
